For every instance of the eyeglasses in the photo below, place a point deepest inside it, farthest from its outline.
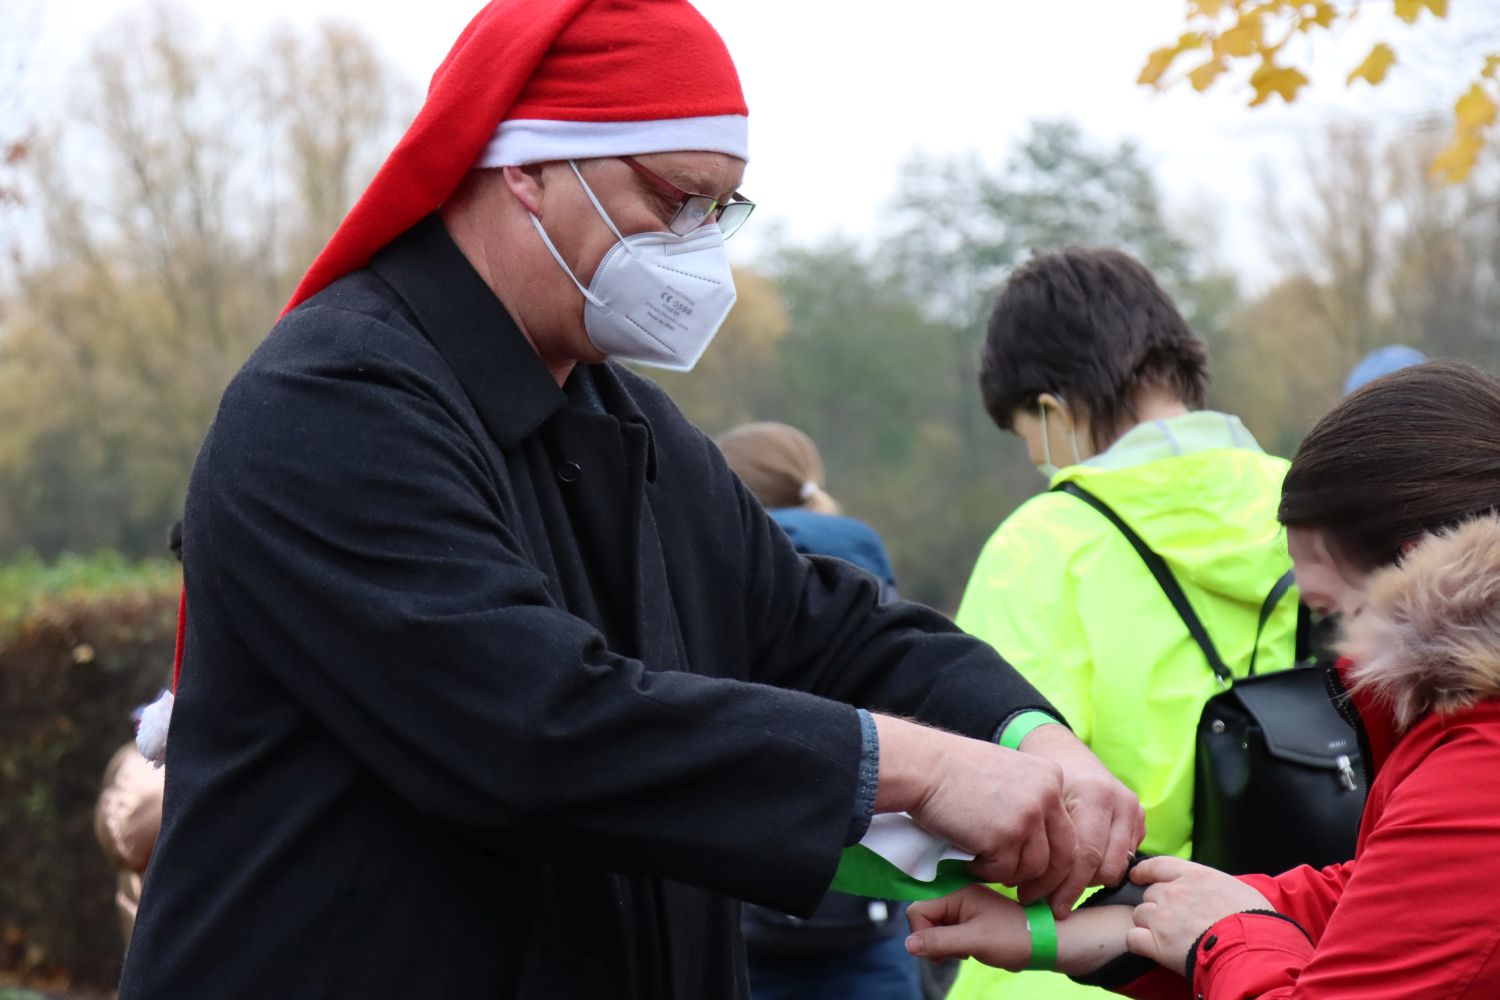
(694, 210)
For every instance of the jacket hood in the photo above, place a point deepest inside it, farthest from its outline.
(1428, 639)
(1210, 514)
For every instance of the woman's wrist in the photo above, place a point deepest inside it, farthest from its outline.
(1090, 938)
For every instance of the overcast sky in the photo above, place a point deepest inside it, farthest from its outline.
(842, 93)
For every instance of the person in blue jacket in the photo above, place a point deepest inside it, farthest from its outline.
(850, 947)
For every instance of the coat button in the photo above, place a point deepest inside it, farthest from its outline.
(1210, 941)
(569, 472)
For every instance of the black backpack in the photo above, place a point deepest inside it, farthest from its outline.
(1279, 776)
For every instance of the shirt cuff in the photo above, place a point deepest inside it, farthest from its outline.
(869, 779)
(1019, 723)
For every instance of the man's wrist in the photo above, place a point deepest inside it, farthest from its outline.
(869, 779)
(911, 759)
(1014, 730)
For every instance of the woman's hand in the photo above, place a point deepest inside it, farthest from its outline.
(975, 922)
(980, 923)
(1183, 900)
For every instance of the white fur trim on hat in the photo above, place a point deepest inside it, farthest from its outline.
(151, 732)
(532, 140)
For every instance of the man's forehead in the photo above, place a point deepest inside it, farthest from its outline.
(704, 173)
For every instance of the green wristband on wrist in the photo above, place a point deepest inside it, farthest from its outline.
(1021, 726)
(1043, 929)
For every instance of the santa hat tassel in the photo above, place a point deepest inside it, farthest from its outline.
(156, 718)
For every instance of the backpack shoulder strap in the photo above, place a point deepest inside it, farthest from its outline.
(1267, 608)
(1164, 579)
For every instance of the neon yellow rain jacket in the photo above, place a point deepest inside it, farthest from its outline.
(1062, 595)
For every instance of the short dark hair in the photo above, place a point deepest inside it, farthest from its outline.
(1412, 452)
(1092, 326)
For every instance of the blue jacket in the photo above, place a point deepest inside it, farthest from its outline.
(844, 538)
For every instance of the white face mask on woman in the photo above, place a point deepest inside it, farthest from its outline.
(657, 298)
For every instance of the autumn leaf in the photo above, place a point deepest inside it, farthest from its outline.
(1457, 159)
(1323, 15)
(1409, 10)
(1161, 59)
(1203, 76)
(1205, 8)
(1491, 66)
(1242, 39)
(1375, 66)
(1272, 79)
(1474, 110)
(1157, 65)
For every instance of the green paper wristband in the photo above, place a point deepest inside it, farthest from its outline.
(1043, 928)
(1021, 726)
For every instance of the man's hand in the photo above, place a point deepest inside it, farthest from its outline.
(1106, 815)
(1183, 901)
(1003, 806)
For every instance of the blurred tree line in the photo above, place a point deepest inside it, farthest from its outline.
(180, 199)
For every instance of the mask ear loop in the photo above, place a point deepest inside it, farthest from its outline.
(1046, 439)
(537, 225)
(600, 209)
(1072, 433)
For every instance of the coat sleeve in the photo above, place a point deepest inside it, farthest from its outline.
(1308, 895)
(356, 545)
(1415, 917)
(817, 624)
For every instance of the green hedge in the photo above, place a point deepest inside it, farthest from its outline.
(82, 642)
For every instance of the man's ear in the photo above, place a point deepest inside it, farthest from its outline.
(526, 183)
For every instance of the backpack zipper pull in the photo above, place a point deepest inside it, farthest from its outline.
(1346, 772)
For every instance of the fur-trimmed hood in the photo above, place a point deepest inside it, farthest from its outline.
(1428, 639)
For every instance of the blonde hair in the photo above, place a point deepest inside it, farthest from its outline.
(779, 464)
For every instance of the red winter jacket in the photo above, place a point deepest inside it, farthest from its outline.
(1417, 912)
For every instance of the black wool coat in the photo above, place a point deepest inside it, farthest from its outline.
(499, 689)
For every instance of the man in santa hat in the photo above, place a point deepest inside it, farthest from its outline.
(497, 683)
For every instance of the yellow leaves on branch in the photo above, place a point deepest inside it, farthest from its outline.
(1244, 39)
(1239, 31)
(1272, 79)
(1458, 158)
(1410, 10)
(1203, 77)
(1161, 59)
(1474, 112)
(1376, 65)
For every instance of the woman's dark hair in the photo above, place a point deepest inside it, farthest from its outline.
(1412, 452)
(1091, 326)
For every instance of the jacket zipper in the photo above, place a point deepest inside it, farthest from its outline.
(1343, 704)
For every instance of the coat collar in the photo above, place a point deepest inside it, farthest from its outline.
(497, 366)
(1428, 638)
(495, 363)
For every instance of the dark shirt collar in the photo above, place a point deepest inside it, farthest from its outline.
(497, 366)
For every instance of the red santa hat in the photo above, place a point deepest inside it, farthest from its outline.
(536, 80)
(529, 81)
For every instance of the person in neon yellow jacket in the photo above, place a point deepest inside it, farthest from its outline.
(1090, 362)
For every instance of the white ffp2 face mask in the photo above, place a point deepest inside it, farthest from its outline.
(657, 298)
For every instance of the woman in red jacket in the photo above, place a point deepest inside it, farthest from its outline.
(1391, 515)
